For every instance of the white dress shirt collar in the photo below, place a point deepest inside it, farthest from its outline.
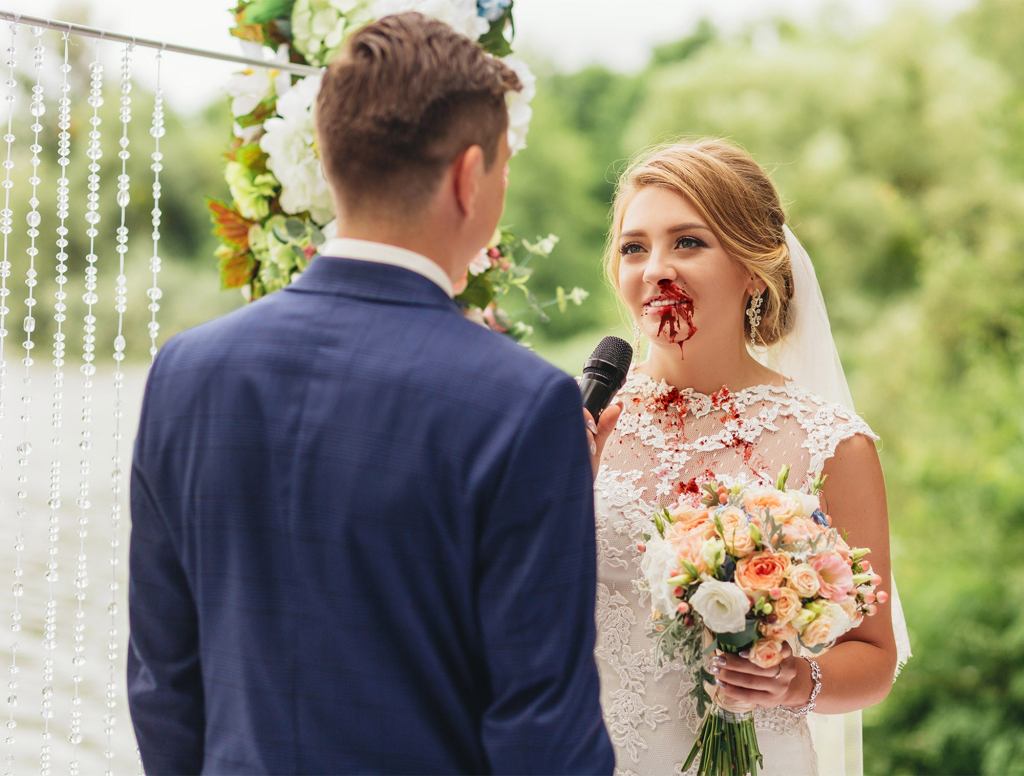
(365, 250)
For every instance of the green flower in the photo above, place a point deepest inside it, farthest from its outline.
(320, 26)
(251, 192)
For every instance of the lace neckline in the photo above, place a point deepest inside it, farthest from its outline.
(636, 379)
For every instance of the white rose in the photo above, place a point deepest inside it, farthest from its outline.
(659, 561)
(518, 103)
(722, 605)
(807, 503)
(480, 263)
(841, 622)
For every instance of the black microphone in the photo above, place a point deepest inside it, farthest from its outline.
(604, 374)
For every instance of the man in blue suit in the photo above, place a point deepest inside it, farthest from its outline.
(363, 536)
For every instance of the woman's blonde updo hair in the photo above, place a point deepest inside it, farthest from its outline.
(739, 204)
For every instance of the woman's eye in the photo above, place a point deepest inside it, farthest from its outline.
(690, 242)
(630, 248)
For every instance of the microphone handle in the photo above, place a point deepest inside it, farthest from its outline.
(597, 395)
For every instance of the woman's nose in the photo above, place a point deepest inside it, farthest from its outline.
(658, 269)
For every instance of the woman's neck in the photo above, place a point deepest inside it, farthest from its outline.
(706, 367)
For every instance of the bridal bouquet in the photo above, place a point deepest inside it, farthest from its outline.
(748, 567)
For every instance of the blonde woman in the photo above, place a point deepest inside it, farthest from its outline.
(740, 378)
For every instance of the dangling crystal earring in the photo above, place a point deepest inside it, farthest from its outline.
(637, 334)
(754, 315)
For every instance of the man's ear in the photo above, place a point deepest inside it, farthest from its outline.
(468, 174)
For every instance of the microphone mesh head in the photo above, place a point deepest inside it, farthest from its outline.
(614, 350)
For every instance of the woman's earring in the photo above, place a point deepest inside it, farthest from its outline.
(754, 315)
(637, 334)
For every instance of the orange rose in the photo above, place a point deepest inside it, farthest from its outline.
(761, 572)
(786, 606)
(766, 653)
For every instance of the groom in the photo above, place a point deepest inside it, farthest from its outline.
(363, 536)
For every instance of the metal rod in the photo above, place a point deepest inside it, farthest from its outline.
(93, 32)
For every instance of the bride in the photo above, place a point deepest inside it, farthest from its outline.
(741, 378)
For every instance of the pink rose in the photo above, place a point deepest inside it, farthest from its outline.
(834, 575)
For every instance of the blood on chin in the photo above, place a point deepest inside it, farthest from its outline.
(676, 320)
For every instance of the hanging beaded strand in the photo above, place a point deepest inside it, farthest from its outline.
(88, 370)
(117, 475)
(54, 501)
(156, 131)
(6, 227)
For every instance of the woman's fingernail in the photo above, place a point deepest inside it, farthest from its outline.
(745, 653)
(714, 669)
(719, 661)
(591, 425)
(593, 448)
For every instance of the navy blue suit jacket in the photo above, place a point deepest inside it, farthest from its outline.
(362, 542)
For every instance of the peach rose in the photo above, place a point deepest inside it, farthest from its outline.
(688, 547)
(778, 632)
(849, 606)
(786, 606)
(804, 580)
(736, 532)
(834, 575)
(800, 530)
(780, 505)
(688, 520)
(761, 571)
(818, 632)
(766, 653)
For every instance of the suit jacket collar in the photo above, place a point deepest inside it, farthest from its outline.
(363, 279)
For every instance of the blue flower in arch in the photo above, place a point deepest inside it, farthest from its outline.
(492, 10)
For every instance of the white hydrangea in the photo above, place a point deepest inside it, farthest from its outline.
(319, 27)
(519, 110)
(290, 143)
(461, 15)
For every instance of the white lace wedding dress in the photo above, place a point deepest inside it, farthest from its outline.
(664, 439)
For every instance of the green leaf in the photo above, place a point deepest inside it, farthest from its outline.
(494, 41)
(479, 292)
(735, 642)
(263, 11)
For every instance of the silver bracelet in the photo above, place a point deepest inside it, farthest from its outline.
(807, 708)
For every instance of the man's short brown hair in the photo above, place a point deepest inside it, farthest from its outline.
(406, 95)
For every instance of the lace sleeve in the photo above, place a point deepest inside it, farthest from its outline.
(827, 425)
